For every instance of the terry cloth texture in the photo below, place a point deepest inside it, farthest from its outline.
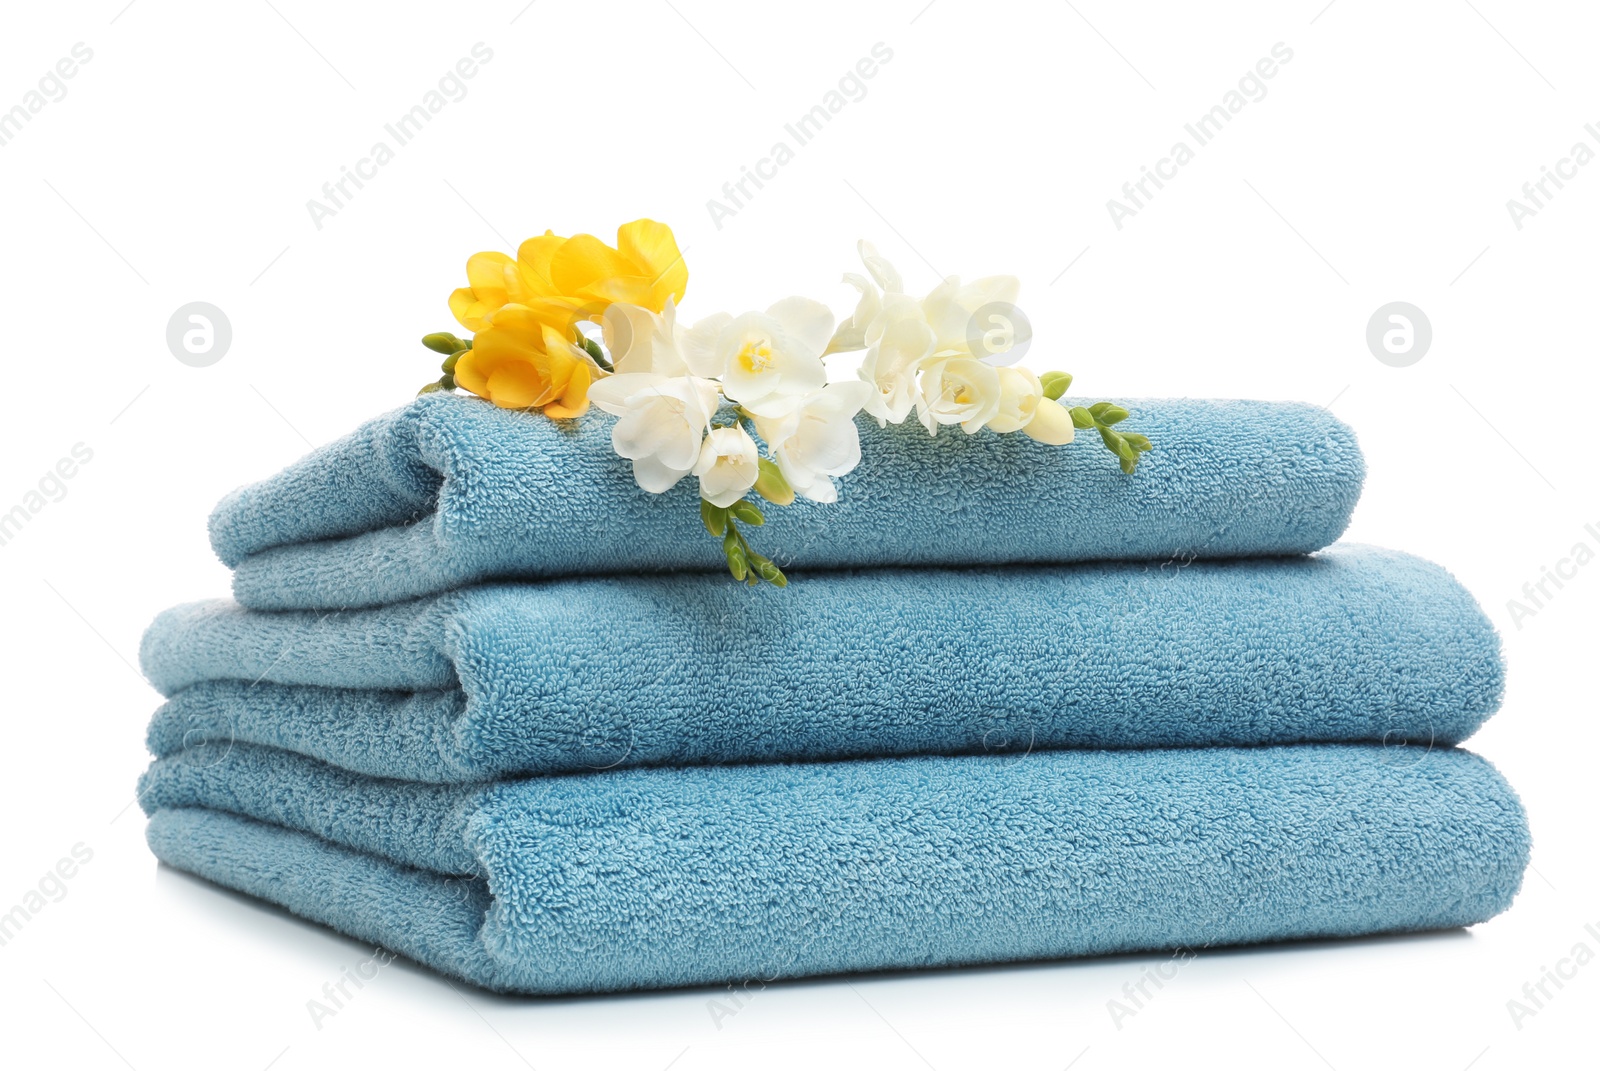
(1354, 644)
(648, 878)
(451, 490)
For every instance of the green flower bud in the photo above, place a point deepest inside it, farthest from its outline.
(443, 342)
(715, 517)
(447, 382)
(1082, 419)
(429, 388)
(1111, 414)
(738, 564)
(593, 349)
(450, 362)
(771, 485)
(746, 511)
(1055, 384)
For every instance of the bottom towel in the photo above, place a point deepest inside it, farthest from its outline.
(664, 877)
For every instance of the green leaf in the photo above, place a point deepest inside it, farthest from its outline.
(429, 388)
(771, 485)
(1082, 419)
(747, 512)
(714, 517)
(1111, 414)
(1055, 384)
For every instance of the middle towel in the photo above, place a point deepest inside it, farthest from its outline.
(1353, 645)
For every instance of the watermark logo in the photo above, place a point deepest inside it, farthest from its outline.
(199, 334)
(1399, 334)
(999, 333)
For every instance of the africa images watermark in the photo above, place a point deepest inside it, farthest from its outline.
(1537, 194)
(50, 889)
(50, 89)
(1252, 88)
(1537, 594)
(450, 89)
(1136, 996)
(331, 1003)
(52, 487)
(1536, 995)
(850, 89)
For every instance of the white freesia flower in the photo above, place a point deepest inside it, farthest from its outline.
(949, 308)
(1051, 423)
(663, 421)
(958, 390)
(643, 341)
(885, 281)
(728, 466)
(901, 341)
(762, 354)
(814, 437)
(1024, 408)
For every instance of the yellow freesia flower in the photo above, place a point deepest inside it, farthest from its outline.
(563, 280)
(519, 362)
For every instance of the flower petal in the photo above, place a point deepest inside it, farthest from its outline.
(701, 346)
(807, 323)
(584, 260)
(654, 475)
(652, 247)
(1051, 423)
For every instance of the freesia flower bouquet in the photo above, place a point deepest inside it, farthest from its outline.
(574, 321)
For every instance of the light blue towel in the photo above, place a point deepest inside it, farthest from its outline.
(1354, 644)
(745, 874)
(451, 490)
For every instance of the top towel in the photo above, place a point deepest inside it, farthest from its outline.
(450, 491)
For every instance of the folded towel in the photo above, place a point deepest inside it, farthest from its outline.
(646, 878)
(1355, 644)
(451, 490)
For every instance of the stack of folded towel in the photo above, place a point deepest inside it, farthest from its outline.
(484, 702)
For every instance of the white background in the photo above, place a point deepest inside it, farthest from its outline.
(178, 166)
